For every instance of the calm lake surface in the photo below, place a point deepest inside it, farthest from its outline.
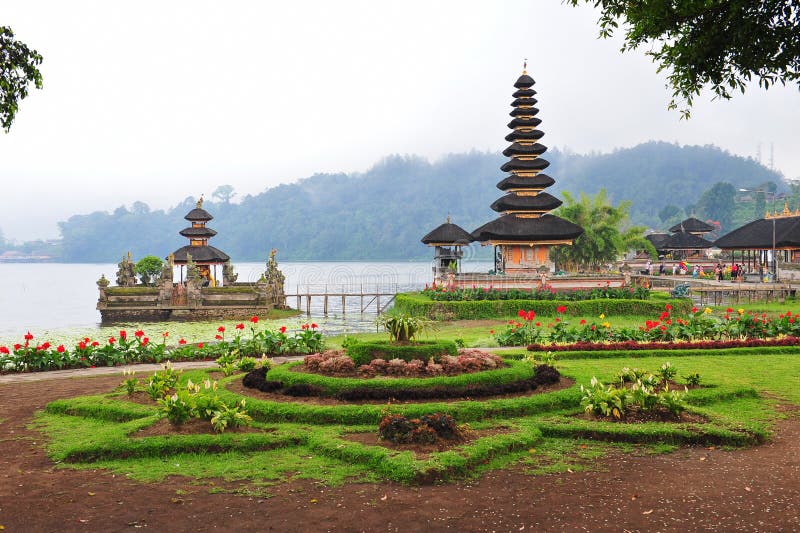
(56, 302)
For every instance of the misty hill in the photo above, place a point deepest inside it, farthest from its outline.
(381, 214)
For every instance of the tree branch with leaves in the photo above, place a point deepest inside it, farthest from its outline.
(18, 69)
(722, 44)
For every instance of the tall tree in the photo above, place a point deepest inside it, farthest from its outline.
(716, 204)
(606, 234)
(718, 43)
(224, 193)
(18, 69)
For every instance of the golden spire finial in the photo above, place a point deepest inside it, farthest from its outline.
(525, 66)
(200, 202)
(786, 211)
(448, 218)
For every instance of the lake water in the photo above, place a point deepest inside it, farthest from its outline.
(56, 302)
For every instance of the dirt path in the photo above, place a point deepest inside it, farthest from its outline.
(694, 489)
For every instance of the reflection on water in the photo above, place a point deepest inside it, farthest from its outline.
(57, 301)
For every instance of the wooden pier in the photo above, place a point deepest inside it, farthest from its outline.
(379, 298)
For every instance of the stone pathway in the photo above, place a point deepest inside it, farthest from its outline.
(110, 370)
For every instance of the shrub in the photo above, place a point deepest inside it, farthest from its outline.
(175, 408)
(402, 327)
(257, 379)
(230, 417)
(426, 429)
(303, 390)
(340, 364)
(363, 353)
(246, 364)
(546, 375)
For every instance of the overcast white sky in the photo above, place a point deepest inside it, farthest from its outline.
(156, 101)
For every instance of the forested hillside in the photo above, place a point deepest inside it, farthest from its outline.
(381, 214)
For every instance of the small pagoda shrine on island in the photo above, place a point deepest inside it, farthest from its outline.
(207, 258)
(447, 240)
(199, 293)
(525, 230)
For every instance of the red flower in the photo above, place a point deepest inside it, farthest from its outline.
(491, 332)
(95, 344)
(521, 313)
(694, 309)
(791, 321)
(81, 345)
(518, 325)
(165, 334)
(668, 307)
(538, 324)
(558, 319)
(86, 340)
(145, 340)
(582, 322)
(663, 328)
(239, 326)
(111, 340)
(17, 346)
(221, 329)
(304, 327)
(729, 310)
(282, 329)
(218, 337)
(254, 319)
(138, 333)
(182, 342)
(60, 348)
(561, 309)
(123, 334)
(314, 326)
(510, 321)
(200, 345)
(28, 336)
(593, 327)
(531, 315)
(4, 350)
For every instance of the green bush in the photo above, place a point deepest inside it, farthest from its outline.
(419, 305)
(364, 352)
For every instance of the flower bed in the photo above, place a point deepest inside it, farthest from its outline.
(517, 376)
(669, 345)
(30, 355)
(669, 326)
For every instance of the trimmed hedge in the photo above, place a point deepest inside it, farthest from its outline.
(418, 305)
(687, 352)
(364, 352)
(516, 371)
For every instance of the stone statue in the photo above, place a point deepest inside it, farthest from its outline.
(274, 279)
(126, 274)
(166, 269)
(229, 277)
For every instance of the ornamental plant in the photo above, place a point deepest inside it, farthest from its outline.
(403, 327)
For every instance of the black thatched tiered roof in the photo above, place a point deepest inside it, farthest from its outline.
(525, 207)
(448, 234)
(200, 254)
(691, 225)
(758, 235)
(685, 241)
(657, 239)
(198, 235)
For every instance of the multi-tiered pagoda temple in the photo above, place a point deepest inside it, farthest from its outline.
(207, 258)
(525, 231)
